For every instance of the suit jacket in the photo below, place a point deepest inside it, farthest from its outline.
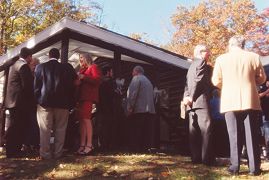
(198, 85)
(54, 84)
(107, 95)
(20, 86)
(265, 99)
(140, 95)
(238, 73)
(89, 88)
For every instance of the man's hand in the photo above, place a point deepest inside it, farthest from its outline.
(187, 101)
(129, 111)
(77, 82)
(81, 76)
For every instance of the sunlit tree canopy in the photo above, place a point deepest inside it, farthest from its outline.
(213, 22)
(21, 19)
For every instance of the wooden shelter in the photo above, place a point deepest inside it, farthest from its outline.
(165, 69)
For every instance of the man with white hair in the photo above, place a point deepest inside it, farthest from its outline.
(196, 98)
(237, 73)
(140, 106)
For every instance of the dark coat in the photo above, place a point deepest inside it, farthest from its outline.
(54, 84)
(107, 95)
(198, 85)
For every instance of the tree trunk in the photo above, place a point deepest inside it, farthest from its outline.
(2, 34)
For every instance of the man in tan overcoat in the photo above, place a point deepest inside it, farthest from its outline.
(237, 73)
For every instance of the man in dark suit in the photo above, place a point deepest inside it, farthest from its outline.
(20, 102)
(106, 108)
(264, 97)
(54, 87)
(196, 98)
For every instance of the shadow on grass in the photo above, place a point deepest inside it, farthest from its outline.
(114, 166)
(27, 168)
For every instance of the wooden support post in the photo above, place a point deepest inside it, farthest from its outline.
(64, 47)
(117, 64)
(2, 108)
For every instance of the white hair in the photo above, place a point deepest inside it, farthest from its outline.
(197, 53)
(139, 69)
(237, 41)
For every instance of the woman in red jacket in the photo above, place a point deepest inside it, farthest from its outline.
(90, 77)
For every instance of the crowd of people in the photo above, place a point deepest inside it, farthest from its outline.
(42, 96)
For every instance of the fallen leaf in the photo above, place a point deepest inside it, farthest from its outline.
(85, 171)
(164, 174)
(123, 175)
(62, 166)
(8, 176)
(105, 174)
(74, 173)
(13, 165)
(113, 173)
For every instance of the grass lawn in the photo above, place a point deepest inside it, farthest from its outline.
(120, 166)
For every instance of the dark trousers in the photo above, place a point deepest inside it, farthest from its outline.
(71, 141)
(32, 133)
(200, 135)
(265, 122)
(107, 130)
(16, 133)
(265, 129)
(220, 138)
(247, 121)
(140, 132)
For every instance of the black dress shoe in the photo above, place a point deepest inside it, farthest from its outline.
(211, 163)
(232, 172)
(196, 162)
(16, 155)
(256, 173)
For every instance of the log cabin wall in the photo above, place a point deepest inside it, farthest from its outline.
(173, 130)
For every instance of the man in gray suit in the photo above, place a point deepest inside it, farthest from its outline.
(196, 98)
(140, 106)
